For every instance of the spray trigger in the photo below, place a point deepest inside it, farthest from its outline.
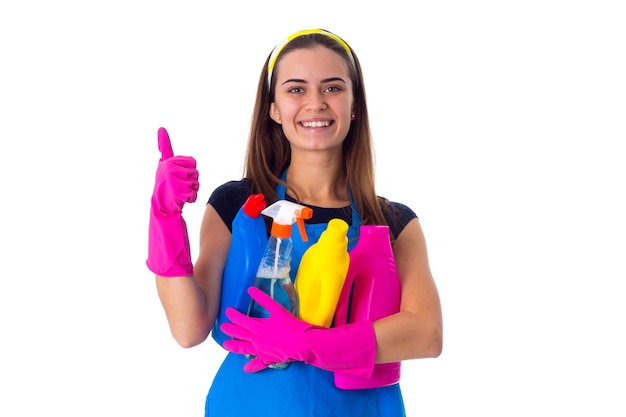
(284, 214)
(305, 213)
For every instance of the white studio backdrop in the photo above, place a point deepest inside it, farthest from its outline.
(500, 123)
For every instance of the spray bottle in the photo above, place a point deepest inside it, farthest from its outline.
(371, 292)
(273, 272)
(249, 238)
(322, 273)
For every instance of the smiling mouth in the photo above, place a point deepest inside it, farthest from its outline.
(319, 123)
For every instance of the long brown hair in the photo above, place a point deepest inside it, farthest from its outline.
(269, 152)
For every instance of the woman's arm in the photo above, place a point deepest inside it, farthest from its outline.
(417, 330)
(191, 303)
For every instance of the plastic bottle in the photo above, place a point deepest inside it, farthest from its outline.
(371, 292)
(272, 276)
(249, 238)
(322, 273)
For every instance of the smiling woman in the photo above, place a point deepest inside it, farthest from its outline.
(500, 123)
(310, 143)
(313, 101)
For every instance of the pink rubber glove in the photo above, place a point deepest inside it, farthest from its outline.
(176, 183)
(349, 349)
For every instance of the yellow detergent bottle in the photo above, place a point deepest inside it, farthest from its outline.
(322, 273)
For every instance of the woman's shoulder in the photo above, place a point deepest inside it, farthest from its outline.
(397, 215)
(231, 189)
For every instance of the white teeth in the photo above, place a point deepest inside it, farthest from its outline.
(316, 124)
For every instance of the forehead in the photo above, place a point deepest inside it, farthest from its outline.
(306, 63)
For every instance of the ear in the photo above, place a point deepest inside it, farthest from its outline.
(274, 114)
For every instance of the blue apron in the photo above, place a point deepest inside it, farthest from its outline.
(299, 390)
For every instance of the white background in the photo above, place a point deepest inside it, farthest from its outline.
(502, 124)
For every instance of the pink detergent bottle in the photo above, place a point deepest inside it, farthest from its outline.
(371, 291)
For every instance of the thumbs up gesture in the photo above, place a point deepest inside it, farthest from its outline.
(176, 183)
(176, 180)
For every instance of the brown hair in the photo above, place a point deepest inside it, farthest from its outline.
(269, 153)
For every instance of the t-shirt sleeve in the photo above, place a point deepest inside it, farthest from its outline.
(228, 198)
(398, 216)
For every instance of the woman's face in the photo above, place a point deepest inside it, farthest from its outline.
(313, 99)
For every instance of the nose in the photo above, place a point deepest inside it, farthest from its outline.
(316, 101)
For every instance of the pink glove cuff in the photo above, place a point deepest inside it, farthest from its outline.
(168, 246)
(349, 349)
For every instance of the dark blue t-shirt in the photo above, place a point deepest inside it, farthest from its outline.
(228, 198)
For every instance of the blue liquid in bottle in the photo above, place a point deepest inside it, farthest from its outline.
(273, 279)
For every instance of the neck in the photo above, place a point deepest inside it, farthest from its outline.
(321, 185)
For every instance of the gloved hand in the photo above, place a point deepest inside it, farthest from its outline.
(349, 349)
(176, 183)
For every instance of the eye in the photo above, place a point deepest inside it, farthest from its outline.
(295, 90)
(333, 89)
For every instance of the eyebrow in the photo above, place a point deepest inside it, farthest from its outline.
(325, 80)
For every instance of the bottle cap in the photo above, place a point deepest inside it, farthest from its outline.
(281, 230)
(254, 205)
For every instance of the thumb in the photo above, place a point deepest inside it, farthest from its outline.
(165, 146)
(255, 365)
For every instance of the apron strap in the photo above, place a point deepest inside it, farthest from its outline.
(356, 218)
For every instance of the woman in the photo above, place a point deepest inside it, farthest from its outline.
(310, 142)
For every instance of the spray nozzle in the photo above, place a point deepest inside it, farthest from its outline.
(284, 214)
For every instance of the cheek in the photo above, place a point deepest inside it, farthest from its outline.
(287, 108)
(343, 106)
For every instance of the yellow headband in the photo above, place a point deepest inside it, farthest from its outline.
(278, 49)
